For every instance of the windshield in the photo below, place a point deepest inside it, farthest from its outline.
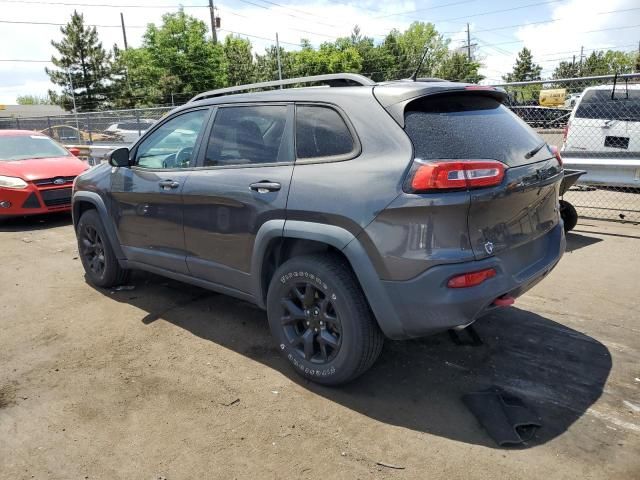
(25, 147)
(598, 104)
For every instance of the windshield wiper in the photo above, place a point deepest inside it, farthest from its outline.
(535, 150)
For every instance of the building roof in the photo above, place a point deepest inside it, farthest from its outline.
(23, 111)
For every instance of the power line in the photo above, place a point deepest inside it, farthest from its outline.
(102, 5)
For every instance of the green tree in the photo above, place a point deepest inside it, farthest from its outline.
(176, 60)
(82, 61)
(457, 67)
(34, 100)
(566, 70)
(524, 69)
(376, 61)
(331, 57)
(406, 50)
(239, 60)
(608, 63)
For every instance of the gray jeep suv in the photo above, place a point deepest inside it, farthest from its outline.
(349, 213)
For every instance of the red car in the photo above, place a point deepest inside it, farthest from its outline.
(36, 174)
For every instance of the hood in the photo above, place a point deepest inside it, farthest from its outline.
(39, 168)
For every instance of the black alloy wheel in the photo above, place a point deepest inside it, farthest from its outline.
(93, 249)
(311, 323)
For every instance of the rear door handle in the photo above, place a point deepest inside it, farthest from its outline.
(168, 184)
(265, 187)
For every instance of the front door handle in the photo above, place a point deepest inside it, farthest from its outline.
(265, 187)
(168, 184)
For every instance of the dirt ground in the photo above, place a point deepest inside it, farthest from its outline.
(170, 381)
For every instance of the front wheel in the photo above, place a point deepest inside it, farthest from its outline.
(99, 261)
(321, 319)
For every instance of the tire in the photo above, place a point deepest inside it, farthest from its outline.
(569, 215)
(321, 320)
(99, 261)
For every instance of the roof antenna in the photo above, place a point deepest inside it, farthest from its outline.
(414, 77)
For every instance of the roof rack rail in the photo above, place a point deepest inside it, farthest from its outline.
(332, 79)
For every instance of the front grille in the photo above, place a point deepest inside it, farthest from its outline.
(51, 181)
(57, 197)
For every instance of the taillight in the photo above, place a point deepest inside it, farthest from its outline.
(455, 175)
(480, 87)
(556, 153)
(471, 279)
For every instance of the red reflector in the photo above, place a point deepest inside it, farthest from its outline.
(504, 301)
(556, 153)
(448, 175)
(471, 279)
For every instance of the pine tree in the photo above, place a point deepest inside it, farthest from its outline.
(84, 62)
(524, 69)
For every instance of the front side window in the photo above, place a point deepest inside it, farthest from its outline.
(172, 144)
(321, 132)
(247, 135)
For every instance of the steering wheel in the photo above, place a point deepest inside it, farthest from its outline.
(183, 156)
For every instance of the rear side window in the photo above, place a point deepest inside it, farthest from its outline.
(599, 104)
(248, 135)
(321, 132)
(466, 127)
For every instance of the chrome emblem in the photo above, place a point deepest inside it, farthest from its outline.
(59, 181)
(488, 247)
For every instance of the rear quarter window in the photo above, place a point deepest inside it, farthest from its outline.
(467, 127)
(321, 132)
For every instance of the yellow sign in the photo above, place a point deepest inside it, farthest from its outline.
(553, 97)
(3, 107)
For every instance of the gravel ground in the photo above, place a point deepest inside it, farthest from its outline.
(170, 381)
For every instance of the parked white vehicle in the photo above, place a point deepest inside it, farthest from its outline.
(603, 135)
(130, 130)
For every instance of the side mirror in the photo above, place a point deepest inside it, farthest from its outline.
(74, 151)
(119, 157)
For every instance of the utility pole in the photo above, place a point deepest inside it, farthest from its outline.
(468, 43)
(212, 13)
(75, 110)
(581, 55)
(278, 56)
(124, 31)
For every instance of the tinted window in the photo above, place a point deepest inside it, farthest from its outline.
(625, 104)
(247, 135)
(469, 127)
(171, 145)
(321, 132)
(24, 147)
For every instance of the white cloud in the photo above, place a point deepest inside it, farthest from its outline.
(575, 25)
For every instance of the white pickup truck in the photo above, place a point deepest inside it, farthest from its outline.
(603, 135)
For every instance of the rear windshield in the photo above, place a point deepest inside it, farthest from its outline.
(23, 147)
(599, 104)
(465, 127)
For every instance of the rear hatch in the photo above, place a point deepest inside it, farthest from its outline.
(606, 120)
(473, 126)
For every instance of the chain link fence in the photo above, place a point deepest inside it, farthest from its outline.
(594, 121)
(113, 127)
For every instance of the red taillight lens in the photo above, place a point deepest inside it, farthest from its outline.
(471, 279)
(456, 175)
(556, 153)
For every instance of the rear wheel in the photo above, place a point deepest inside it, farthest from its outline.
(569, 215)
(99, 261)
(321, 319)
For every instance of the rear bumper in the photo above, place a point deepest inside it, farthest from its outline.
(425, 305)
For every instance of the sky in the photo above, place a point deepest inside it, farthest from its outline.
(554, 30)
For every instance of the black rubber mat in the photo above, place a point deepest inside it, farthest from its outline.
(505, 417)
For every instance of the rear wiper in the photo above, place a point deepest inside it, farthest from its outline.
(535, 150)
